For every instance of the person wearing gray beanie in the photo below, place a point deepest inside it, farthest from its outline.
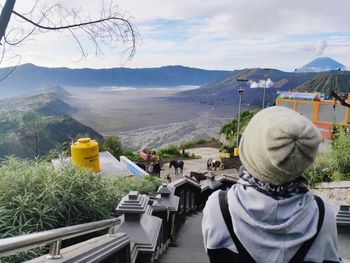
(270, 215)
(278, 145)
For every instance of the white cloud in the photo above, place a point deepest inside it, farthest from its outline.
(220, 34)
(320, 47)
(261, 83)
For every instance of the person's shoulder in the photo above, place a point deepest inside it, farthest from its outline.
(325, 246)
(212, 203)
(330, 213)
(215, 234)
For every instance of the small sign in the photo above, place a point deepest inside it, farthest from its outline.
(224, 155)
(132, 167)
(317, 96)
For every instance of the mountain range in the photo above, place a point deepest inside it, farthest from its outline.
(46, 114)
(28, 77)
(225, 91)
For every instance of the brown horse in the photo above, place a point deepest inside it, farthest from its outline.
(198, 176)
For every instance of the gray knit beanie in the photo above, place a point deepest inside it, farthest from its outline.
(278, 145)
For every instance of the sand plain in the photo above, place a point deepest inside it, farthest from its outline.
(147, 117)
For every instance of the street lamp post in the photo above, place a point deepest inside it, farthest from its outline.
(266, 77)
(240, 91)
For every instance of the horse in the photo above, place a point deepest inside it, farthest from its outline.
(198, 176)
(154, 168)
(213, 164)
(141, 165)
(177, 164)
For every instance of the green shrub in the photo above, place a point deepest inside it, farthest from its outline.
(334, 165)
(132, 156)
(340, 153)
(171, 150)
(320, 171)
(197, 142)
(112, 144)
(35, 197)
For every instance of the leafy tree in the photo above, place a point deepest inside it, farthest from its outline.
(30, 130)
(230, 129)
(113, 144)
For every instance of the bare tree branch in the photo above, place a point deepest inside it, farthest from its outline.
(111, 28)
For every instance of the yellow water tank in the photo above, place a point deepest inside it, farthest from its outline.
(85, 153)
(348, 199)
(235, 152)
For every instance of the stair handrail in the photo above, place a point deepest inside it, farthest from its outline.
(54, 237)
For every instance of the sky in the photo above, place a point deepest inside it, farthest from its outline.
(220, 34)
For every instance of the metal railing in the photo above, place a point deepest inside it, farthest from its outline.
(54, 237)
(191, 199)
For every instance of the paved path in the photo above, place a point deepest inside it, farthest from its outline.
(190, 248)
(344, 243)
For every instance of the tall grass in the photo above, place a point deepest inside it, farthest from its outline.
(35, 197)
(198, 142)
(169, 151)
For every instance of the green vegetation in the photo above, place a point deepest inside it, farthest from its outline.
(173, 151)
(229, 130)
(334, 165)
(36, 197)
(169, 151)
(132, 156)
(327, 81)
(199, 142)
(113, 144)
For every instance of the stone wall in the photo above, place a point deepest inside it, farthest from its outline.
(335, 192)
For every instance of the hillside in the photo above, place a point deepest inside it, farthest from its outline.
(28, 77)
(325, 82)
(37, 123)
(225, 90)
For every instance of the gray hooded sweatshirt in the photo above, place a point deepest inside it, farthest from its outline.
(271, 230)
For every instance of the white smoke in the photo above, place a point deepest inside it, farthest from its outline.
(261, 84)
(319, 47)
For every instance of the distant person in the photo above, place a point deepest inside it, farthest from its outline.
(270, 215)
(183, 150)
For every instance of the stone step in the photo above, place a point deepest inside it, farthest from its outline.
(343, 213)
(189, 241)
(343, 216)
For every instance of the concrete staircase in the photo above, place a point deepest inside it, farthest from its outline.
(189, 243)
(343, 216)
